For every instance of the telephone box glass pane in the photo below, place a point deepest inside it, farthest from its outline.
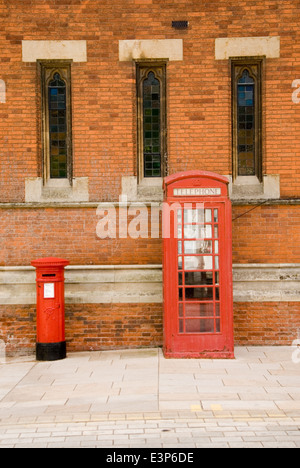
(179, 216)
(194, 216)
(179, 231)
(193, 326)
(208, 216)
(198, 263)
(199, 278)
(198, 309)
(194, 231)
(199, 325)
(198, 247)
(180, 279)
(198, 292)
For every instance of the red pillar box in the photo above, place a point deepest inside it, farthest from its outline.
(198, 303)
(50, 323)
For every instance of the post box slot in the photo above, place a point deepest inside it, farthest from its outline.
(49, 275)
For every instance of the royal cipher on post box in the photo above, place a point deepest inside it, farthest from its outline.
(197, 266)
(50, 320)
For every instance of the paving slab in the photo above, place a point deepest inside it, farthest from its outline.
(131, 398)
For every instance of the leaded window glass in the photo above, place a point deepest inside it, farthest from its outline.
(56, 119)
(151, 122)
(57, 101)
(247, 117)
(151, 130)
(246, 125)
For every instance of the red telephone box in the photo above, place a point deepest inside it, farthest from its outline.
(50, 321)
(198, 299)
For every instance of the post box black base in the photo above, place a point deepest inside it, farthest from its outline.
(51, 351)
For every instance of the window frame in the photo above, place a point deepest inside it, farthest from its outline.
(47, 70)
(254, 65)
(159, 68)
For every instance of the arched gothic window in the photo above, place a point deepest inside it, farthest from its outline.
(152, 141)
(56, 120)
(151, 126)
(57, 104)
(246, 124)
(247, 118)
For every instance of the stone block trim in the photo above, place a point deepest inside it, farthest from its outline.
(227, 47)
(56, 50)
(171, 49)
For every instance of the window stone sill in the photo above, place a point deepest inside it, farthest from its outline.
(56, 190)
(250, 188)
(147, 191)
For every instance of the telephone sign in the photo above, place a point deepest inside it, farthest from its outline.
(197, 191)
(198, 304)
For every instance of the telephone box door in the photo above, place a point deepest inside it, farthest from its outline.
(198, 318)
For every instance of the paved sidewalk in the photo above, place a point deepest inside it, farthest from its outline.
(137, 398)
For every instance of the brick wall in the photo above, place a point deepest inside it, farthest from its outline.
(113, 326)
(105, 146)
(267, 323)
(71, 234)
(103, 89)
(92, 327)
(18, 329)
(89, 327)
(266, 234)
